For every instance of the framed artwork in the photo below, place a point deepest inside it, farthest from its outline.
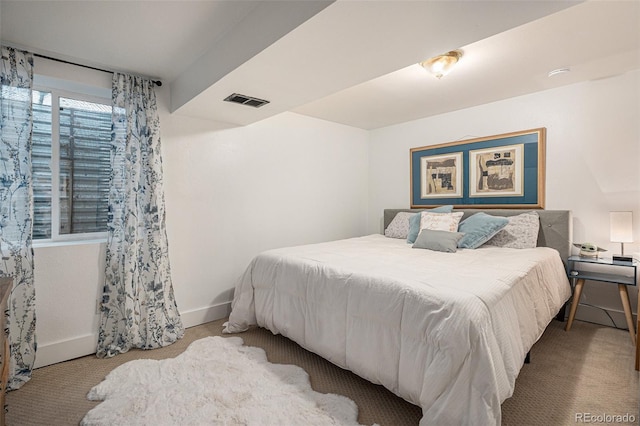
(441, 176)
(496, 172)
(501, 171)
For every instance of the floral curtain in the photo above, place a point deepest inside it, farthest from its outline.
(138, 306)
(16, 210)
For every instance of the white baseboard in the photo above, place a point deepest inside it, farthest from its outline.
(53, 353)
(203, 315)
(65, 350)
(599, 316)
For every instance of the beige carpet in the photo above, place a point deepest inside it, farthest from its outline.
(588, 370)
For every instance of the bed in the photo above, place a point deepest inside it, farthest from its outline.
(446, 331)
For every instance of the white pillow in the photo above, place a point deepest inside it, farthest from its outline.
(521, 232)
(440, 221)
(399, 226)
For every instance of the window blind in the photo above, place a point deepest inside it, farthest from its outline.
(41, 164)
(85, 150)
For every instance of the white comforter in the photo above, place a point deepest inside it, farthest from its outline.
(446, 331)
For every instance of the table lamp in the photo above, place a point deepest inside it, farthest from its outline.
(621, 232)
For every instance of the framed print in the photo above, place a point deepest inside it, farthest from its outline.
(496, 172)
(441, 176)
(501, 171)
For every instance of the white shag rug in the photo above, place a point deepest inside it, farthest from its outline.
(216, 381)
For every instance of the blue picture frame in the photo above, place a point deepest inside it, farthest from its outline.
(501, 171)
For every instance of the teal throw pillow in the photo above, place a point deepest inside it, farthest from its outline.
(480, 228)
(414, 222)
(438, 240)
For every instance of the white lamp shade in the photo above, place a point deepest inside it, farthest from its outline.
(621, 227)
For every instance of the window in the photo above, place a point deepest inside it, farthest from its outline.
(71, 165)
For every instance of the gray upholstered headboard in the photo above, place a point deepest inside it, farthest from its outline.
(555, 225)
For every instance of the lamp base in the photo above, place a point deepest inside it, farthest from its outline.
(622, 258)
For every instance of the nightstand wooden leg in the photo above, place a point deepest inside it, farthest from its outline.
(624, 296)
(574, 303)
(638, 336)
(638, 346)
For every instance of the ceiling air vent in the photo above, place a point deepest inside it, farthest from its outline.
(246, 100)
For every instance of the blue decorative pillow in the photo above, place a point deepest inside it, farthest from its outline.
(480, 228)
(414, 222)
(438, 240)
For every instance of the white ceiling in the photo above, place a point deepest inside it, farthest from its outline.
(351, 62)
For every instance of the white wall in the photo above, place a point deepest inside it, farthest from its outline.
(230, 193)
(284, 181)
(593, 160)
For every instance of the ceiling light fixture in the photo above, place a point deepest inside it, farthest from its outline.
(441, 65)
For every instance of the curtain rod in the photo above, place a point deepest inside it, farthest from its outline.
(156, 82)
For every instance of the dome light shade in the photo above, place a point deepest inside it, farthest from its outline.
(441, 65)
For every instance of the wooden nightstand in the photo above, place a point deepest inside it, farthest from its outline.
(605, 270)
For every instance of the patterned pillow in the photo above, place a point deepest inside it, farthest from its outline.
(521, 232)
(399, 226)
(414, 222)
(440, 221)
